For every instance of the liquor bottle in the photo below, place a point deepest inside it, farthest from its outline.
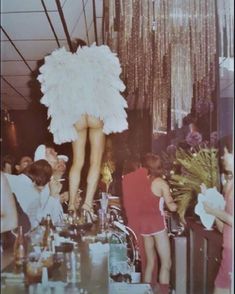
(48, 236)
(137, 262)
(42, 222)
(49, 222)
(19, 248)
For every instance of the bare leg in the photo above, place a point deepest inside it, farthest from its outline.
(221, 291)
(78, 160)
(163, 248)
(150, 258)
(97, 142)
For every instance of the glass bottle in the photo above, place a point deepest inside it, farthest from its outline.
(49, 222)
(48, 236)
(19, 248)
(73, 266)
(137, 263)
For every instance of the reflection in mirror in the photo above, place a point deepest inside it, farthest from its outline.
(226, 68)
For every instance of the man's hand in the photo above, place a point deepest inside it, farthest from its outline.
(55, 187)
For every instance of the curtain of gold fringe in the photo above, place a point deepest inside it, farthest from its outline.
(167, 50)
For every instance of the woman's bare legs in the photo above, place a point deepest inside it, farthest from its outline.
(162, 243)
(97, 143)
(221, 291)
(150, 254)
(78, 147)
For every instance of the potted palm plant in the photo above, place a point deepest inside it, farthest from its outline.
(190, 169)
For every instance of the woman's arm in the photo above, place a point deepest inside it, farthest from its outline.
(219, 225)
(218, 213)
(9, 219)
(161, 188)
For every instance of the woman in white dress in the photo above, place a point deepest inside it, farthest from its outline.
(82, 93)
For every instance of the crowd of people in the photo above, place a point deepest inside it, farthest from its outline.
(32, 188)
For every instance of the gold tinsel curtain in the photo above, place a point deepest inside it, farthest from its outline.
(167, 49)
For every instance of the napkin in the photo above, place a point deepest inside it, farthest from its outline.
(215, 199)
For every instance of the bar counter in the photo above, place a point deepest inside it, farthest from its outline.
(90, 275)
(91, 271)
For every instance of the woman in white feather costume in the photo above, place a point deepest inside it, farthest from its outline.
(82, 91)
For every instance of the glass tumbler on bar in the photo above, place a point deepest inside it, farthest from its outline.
(102, 219)
(104, 201)
(73, 267)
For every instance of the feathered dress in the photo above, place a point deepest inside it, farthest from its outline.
(84, 82)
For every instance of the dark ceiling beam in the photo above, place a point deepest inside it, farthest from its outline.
(50, 23)
(94, 20)
(60, 11)
(17, 50)
(9, 84)
(84, 12)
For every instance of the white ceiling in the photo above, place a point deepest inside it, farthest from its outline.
(27, 36)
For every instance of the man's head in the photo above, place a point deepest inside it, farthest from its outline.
(23, 162)
(7, 164)
(61, 164)
(40, 173)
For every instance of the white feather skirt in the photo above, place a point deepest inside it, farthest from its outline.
(85, 82)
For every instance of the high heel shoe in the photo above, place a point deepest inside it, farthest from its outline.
(87, 208)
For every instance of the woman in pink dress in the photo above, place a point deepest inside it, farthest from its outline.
(224, 222)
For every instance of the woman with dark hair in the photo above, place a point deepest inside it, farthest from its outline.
(151, 192)
(153, 226)
(225, 219)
